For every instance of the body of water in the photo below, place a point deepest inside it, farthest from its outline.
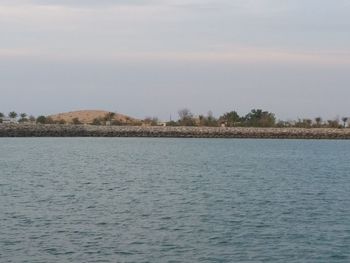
(174, 200)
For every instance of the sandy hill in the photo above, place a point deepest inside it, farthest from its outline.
(87, 116)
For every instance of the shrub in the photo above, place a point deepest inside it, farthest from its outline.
(13, 114)
(76, 121)
(260, 118)
(61, 121)
(96, 121)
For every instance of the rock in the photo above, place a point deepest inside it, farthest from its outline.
(57, 130)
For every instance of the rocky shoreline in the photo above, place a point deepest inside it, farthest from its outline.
(30, 130)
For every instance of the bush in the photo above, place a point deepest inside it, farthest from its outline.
(230, 119)
(13, 115)
(41, 119)
(61, 121)
(97, 121)
(260, 118)
(334, 124)
(116, 123)
(76, 121)
(172, 123)
(49, 120)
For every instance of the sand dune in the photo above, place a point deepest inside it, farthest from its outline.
(87, 116)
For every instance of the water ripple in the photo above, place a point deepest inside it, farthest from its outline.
(173, 200)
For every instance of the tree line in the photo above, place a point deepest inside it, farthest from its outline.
(255, 118)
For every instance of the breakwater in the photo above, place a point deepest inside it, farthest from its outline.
(30, 130)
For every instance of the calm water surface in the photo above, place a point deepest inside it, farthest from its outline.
(174, 200)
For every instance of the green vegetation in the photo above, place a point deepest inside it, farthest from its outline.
(259, 118)
(13, 115)
(333, 124)
(109, 116)
(23, 118)
(61, 122)
(230, 119)
(97, 121)
(208, 121)
(318, 122)
(151, 121)
(76, 121)
(41, 119)
(255, 118)
(186, 118)
(32, 118)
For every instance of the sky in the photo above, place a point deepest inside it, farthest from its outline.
(150, 58)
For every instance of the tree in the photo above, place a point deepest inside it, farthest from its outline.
(333, 123)
(172, 123)
(1, 115)
(49, 120)
(41, 119)
(211, 120)
(186, 118)
(345, 120)
(151, 121)
(23, 117)
(185, 113)
(208, 121)
(318, 121)
(260, 118)
(13, 115)
(230, 118)
(304, 123)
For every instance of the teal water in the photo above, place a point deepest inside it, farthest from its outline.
(174, 200)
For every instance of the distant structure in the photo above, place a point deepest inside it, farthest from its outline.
(161, 123)
(7, 120)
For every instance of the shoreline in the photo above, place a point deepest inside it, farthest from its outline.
(56, 130)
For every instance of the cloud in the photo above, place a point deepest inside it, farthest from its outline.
(291, 31)
(242, 55)
(76, 3)
(17, 52)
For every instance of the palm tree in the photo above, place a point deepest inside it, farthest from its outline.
(345, 120)
(23, 117)
(13, 115)
(318, 121)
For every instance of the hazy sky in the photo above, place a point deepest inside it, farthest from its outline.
(153, 57)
